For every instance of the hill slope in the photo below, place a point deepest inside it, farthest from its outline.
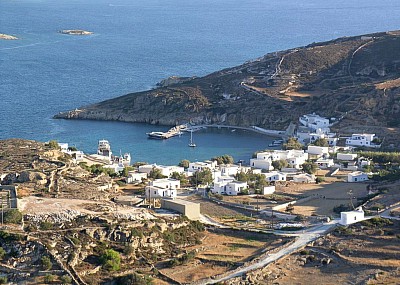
(355, 77)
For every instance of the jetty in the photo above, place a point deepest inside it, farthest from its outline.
(175, 131)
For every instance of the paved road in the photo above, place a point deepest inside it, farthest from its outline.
(302, 240)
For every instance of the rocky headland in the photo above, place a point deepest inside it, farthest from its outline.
(7, 37)
(356, 78)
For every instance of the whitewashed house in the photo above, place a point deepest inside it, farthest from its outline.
(165, 170)
(229, 169)
(199, 166)
(267, 190)
(362, 161)
(166, 183)
(228, 187)
(63, 147)
(262, 161)
(157, 192)
(324, 163)
(304, 178)
(314, 121)
(318, 150)
(275, 176)
(77, 155)
(135, 177)
(346, 156)
(362, 140)
(351, 217)
(357, 176)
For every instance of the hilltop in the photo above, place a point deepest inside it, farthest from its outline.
(356, 78)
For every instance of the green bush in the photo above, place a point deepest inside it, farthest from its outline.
(49, 278)
(3, 279)
(46, 263)
(13, 216)
(65, 279)
(111, 260)
(2, 252)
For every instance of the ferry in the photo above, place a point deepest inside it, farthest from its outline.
(157, 135)
(276, 143)
(104, 148)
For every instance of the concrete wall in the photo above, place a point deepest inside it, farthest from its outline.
(189, 209)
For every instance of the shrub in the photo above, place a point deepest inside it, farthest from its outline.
(46, 263)
(46, 226)
(135, 279)
(111, 260)
(3, 280)
(49, 278)
(65, 279)
(13, 216)
(2, 253)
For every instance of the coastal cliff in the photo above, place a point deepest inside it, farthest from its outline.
(352, 77)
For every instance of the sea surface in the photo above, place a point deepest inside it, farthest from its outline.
(137, 43)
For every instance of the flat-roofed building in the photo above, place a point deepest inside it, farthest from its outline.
(187, 208)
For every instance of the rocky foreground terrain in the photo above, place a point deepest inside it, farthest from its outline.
(356, 78)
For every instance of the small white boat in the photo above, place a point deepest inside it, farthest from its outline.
(191, 142)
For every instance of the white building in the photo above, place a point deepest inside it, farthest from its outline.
(261, 164)
(324, 163)
(275, 176)
(228, 187)
(267, 190)
(157, 192)
(318, 150)
(304, 178)
(229, 169)
(295, 158)
(346, 156)
(357, 176)
(166, 183)
(135, 177)
(165, 170)
(351, 217)
(199, 166)
(63, 147)
(314, 121)
(362, 140)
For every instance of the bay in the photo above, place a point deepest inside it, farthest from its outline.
(136, 44)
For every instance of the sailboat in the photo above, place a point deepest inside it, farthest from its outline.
(191, 142)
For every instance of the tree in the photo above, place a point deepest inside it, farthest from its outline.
(202, 177)
(3, 280)
(181, 177)
(111, 260)
(2, 252)
(321, 142)
(49, 278)
(279, 164)
(72, 148)
(309, 167)
(155, 173)
(46, 263)
(184, 163)
(292, 143)
(260, 182)
(65, 279)
(53, 144)
(13, 216)
(223, 159)
(126, 170)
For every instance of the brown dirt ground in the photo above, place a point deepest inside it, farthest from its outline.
(368, 255)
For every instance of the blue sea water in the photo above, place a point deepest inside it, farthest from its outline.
(135, 44)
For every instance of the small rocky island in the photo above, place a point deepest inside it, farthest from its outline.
(7, 37)
(76, 32)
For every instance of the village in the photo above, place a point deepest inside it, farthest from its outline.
(282, 198)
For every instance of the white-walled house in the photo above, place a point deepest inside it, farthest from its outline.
(362, 140)
(135, 177)
(357, 176)
(166, 183)
(267, 190)
(228, 187)
(275, 176)
(295, 158)
(351, 217)
(346, 156)
(318, 150)
(63, 147)
(324, 163)
(229, 169)
(157, 192)
(304, 178)
(261, 164)
(165, 170)
(314, 121)
(199, 166)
